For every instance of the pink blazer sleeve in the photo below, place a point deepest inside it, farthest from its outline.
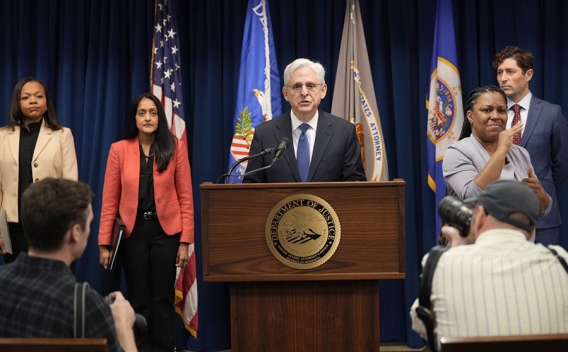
(184, 193)
(111, 196)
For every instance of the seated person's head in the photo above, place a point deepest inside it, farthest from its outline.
(56, 213)
(505, 204)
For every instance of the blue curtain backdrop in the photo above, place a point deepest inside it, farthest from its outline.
(94, 57)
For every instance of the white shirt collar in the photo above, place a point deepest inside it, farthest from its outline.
(524, 103)
(296, 122)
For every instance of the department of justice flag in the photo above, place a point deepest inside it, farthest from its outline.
(258, 94)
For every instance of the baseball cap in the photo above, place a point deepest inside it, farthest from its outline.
(505, 197)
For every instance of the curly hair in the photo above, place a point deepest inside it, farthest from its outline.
(523, 58)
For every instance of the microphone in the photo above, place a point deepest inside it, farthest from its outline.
(280, 148)
(277, 152)
(230, 173)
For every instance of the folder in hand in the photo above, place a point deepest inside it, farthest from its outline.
(117, 232)
(4, 232)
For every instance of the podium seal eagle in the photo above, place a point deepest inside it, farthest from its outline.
(303, 231)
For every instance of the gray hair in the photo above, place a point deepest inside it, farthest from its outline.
(299, 63)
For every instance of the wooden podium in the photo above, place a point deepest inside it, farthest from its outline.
(333, 307)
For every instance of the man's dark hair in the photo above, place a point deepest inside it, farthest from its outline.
(523, 58)
(50, 207)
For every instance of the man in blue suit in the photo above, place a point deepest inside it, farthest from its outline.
(544, 135)
(323, 147)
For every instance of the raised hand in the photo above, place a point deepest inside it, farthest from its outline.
(506, 137)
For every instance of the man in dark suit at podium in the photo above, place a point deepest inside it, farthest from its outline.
(323, 147)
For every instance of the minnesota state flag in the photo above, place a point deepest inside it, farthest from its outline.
(444, 103)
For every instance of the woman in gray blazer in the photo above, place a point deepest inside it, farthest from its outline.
(485, 151)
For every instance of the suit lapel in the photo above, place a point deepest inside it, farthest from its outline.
(42, 139)
(532, 118)
(132, 165)
(324, 134)
(14, 142)
(284, 129)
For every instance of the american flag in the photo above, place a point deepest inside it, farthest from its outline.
(166, 85)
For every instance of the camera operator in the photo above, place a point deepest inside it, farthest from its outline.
(501, 283)
(37, 291)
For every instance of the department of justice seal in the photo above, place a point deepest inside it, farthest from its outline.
(303, 231)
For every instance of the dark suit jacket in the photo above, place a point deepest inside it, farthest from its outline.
(546, 138)
(336, 155)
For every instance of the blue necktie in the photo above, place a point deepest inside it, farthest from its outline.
(303, 156)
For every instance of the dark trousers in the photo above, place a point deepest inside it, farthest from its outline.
(148, 258)
(19, 243)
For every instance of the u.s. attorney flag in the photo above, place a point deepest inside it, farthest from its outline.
(354, 94)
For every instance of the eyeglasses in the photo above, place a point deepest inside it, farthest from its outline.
(296, 88)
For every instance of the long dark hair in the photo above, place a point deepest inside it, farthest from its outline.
(164, 140)
(470, 102)
(15, 114)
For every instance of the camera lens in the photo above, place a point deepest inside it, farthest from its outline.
(456, 213)
(140, 326)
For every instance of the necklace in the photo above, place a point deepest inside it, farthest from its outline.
(142, 151)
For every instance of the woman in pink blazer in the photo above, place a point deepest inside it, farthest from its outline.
(148, 183)
(32, 147)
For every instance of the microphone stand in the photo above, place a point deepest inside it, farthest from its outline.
(230, 173)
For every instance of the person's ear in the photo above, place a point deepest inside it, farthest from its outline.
(285, 93)
(323, 90)
(477, 222)
(529, 74)
(74, 234)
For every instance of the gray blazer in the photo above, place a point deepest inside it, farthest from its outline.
(464, 159)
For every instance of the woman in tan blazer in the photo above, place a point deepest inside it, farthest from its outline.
(32, 147)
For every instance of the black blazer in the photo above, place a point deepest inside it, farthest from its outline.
(336, 155)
